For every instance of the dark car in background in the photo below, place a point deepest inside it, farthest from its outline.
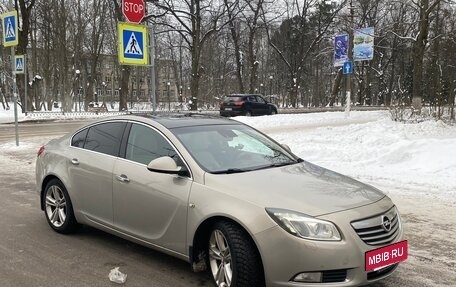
(246, 105)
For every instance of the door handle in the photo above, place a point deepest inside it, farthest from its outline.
(122, 178)
(75, 161)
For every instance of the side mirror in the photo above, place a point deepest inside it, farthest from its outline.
(164, 164)
(286, 147)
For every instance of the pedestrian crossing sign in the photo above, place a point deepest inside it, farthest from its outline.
(19, 62)
(133, 48)
(10, 30)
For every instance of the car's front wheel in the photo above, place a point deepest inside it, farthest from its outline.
(233, 258)
(58, 208)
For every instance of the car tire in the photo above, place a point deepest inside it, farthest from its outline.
(273, 112)
(248, 113)
(233, 258)
(58, 208)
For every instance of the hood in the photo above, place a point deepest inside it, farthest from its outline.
(302, 187)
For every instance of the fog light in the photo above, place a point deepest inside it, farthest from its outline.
(308, 277)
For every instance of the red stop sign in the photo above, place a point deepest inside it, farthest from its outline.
(134, 10)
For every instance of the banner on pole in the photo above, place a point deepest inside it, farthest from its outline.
(363, 44)
(341, 43)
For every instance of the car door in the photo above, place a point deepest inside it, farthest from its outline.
(254, 107)
(93, 154)
(149, 205)
(263, 107)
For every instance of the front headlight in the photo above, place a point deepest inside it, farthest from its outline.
(304, 226)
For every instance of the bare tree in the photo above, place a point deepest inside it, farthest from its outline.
(425, 8)
(126, 70)
(25, 8)
(196, 22)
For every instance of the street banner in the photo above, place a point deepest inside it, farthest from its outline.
(363, 44)
(341, 43)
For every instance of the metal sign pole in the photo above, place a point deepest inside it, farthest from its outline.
(13, 67)
(10, 39)
(152, 67)
(350, 58)
(25, 83)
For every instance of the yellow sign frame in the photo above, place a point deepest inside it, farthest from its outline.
(16, 22)
(124, 31)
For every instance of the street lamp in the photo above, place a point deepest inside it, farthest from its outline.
(261, 88)
(78, 74)
(270, 88)
(79, 97)
(169, 99)
(104, 85)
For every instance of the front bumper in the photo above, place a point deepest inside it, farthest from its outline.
(284, 256)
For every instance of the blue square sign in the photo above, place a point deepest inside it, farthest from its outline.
(133, 44)
(10, 31)
(348, 67)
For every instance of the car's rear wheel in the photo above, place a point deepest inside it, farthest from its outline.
(58, 208)
(248, 113)
(233, 258)
(273, 112)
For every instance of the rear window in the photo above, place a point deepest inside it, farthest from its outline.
(232, 99)
(105, 138)
(79, 138)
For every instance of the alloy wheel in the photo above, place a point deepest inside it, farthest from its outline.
(56, 209)
(220, 259)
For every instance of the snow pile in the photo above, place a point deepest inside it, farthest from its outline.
(418, 157)
(7, 116)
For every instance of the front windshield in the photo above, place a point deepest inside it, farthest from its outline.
(231, 148)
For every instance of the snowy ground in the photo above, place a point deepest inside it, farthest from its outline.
(415, 164)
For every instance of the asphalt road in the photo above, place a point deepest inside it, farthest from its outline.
(37, 129)
(31, 254)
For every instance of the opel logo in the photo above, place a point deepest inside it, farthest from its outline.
(386, 223)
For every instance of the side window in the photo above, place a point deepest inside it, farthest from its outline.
(145, 144)
(252, 99)
(260, 100)
(105, 138)
(79, 138)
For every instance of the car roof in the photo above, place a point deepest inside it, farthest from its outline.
(177, 120)
(242, 95)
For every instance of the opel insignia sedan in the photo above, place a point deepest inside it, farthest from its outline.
(223, 197)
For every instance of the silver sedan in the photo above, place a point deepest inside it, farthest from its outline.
(222, 196)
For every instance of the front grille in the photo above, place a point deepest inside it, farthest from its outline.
(382, 272)
(334, 276)
(374, 230)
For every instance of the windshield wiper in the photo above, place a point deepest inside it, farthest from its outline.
(230, 171)
(277, 164)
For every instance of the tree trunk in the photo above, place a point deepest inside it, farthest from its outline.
(418, 52)
(25, 12)
(336, 87)
(123, 93)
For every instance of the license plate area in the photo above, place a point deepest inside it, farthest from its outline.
(228, 109)
(384, 256)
